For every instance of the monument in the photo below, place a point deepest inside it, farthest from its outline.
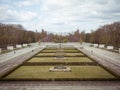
(60, 53)
(60, 56)
(60, 68)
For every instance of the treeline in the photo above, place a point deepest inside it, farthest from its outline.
(62, 38)
(108, 34)
(11, 34)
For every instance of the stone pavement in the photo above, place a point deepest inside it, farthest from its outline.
(10, 60)
(59, 88)
(60, 85)
(110, 60)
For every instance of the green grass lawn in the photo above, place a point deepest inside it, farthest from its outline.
(42, 72)
(52, 48)
(70, 48)
(65, 54)
(51, 59)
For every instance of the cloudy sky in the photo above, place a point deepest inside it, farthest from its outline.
(60, 15)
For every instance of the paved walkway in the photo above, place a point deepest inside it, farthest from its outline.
(59, 88)
(108, 59)
(10, 60)
(60, 85)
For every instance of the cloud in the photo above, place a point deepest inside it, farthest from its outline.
(61, 14)
(9, 15)
(23, 3)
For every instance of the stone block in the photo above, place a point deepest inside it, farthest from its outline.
(10, 47)
(110, 47)
(101, 46)
(25, 45)
(95, 45)
(18, 46)
(0, 50)
(119, 50)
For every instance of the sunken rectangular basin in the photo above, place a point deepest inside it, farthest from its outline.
(42, 72)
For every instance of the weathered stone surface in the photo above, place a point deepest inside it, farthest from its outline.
(101, 46)
(110, 47)
(0, 50)
(18, 46)
(10, 47)
(25, 45)
(95, 45)
(59, 87)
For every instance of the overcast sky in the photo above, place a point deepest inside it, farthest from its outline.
(60, 15)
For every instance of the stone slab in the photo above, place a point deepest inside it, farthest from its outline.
(10, 47)
(25, 45)
(0, 50)
(95, 45)
(110, 47)
(101, 46)
(18, 46)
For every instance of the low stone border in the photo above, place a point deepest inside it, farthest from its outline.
(61, 79)
(58, 63)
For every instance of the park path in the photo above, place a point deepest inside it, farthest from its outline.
(10, 60)
(110, 60)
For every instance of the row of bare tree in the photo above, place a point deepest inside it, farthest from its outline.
(70, 37)
(108, 34)
(11, 34)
